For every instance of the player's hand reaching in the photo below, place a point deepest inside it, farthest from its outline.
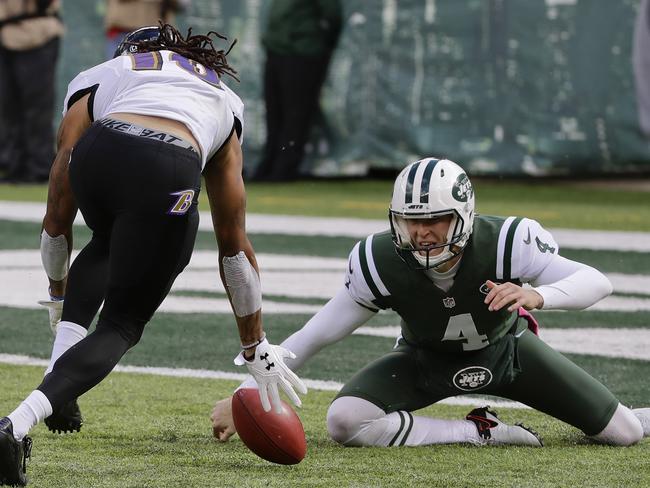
(269, 371)
(223, 425)
(55, 309)
(513, 296)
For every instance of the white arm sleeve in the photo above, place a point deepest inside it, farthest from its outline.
(562, 283)
(533, 248)
(569, 285)
(337, 319)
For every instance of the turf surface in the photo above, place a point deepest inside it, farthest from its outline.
(207, 341)
(149, 432)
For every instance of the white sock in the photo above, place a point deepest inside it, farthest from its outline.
(353, 421)
(30, 412)
(67, 335)
(404, 429)
(427, 431)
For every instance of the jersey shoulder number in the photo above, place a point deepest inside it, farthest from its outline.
(524, 249)
(154, 61)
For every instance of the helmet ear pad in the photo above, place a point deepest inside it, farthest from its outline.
(431, 188)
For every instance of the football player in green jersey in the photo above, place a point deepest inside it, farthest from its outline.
(455, 279)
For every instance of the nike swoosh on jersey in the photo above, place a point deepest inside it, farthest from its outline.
(527, 239)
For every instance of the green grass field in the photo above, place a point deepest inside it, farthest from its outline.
(147, 431)
(562, 204)
(154, 431)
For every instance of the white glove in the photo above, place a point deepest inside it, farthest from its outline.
(55, 308)
(268, 369)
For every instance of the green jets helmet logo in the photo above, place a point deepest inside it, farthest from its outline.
(462, 190)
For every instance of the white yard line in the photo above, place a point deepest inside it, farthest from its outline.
(301, 277)
(286, 276)
(359, 228)
(322, 385)
(613, 343)
(630, 283)
(22, 269)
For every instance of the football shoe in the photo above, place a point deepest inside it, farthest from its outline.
(493, 431)
(66, 418)
(13, 455)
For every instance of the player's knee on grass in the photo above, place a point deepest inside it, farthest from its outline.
(356, 422)
(624, 429)
(342, 424)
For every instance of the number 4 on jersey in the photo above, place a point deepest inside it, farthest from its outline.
(462, 328)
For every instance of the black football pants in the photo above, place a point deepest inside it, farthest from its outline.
(130, 191)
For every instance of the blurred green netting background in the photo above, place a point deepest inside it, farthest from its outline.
(518, 87)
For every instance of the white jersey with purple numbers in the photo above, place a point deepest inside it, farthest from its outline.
(163, 84)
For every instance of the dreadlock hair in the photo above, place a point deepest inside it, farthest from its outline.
(198, 48)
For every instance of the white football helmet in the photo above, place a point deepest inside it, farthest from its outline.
(432, 188)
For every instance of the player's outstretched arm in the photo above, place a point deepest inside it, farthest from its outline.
(337, 319)
(227, 197)
(240, 275)
(56, 233)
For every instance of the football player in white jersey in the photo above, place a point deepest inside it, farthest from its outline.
(138, 133)
(455, 279)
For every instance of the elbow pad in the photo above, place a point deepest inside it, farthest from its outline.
(243, 284)
(54, 255)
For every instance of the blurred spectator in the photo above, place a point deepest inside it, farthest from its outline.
(641, 61)
(124, 16)
(30, 32)
(299, 40)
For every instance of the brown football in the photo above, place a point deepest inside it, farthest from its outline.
(276, 437)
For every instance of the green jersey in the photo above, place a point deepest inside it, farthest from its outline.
(452, 344)
(457, 319)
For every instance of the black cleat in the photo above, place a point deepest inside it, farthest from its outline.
(493, 431)
(13, 455)
(66, 418)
